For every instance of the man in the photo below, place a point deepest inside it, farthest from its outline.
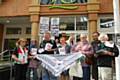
(95, 43)
(105, 56)
(49, 46)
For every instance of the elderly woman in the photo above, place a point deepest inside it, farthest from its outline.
(105, 55)
(20, 57)
(85, 48)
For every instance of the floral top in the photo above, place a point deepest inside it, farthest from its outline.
(86, 49)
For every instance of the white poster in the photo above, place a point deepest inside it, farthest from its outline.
(44, 24)
(34, 51)
(44, 20)
(62, 51)
(55, 26)
(55, 21)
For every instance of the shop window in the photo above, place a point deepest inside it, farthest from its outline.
(13, 31)
(9, 44)
(67, 23)
(82, 1)
(45, 2)
(111, 37)
(81, 23)
(28, 30)
(106, 24)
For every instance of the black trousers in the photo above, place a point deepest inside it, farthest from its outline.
(76, 78)
(94, 69)
(20, 71)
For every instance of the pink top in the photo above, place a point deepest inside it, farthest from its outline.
(85, 48)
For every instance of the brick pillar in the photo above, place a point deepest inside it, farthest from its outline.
(93, 8)
(34, 11)
(92, 24)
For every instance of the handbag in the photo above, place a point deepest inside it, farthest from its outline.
(88, 60)
(76, 70)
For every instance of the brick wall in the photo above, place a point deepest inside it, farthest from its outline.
(14, 7)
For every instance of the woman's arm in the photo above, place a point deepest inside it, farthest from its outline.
(16, 59)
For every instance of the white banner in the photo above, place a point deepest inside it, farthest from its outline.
(56, 63)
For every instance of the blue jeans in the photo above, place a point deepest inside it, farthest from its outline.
(35, 75)
(46, 75)
(86, 73)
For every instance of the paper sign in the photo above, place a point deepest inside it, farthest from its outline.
(44, 24)
(48, 46)
(62, 51)
(34, 51)
(41, 50)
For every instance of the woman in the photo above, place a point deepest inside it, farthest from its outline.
(20, 57)
(33, 63)
(64, 48)
(85, 48)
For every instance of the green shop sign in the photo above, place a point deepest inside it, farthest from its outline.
(53, 2)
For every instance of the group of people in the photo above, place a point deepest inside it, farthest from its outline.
(99, 54)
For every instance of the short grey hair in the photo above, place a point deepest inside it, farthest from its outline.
(83, 35)
(103, 35)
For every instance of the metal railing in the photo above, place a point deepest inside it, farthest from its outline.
(5, 55)
(6, 61)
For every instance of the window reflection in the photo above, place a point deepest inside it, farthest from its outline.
(81, 23)
(13, 31)
(44, 2)
(28, 30)
(67, 23)
(106, 23)
(9, 43)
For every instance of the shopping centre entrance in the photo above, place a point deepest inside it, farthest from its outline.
(12, 29)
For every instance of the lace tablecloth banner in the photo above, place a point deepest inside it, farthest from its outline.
(56, 63)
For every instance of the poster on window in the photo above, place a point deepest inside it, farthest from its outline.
(44, 24)
(55, 26)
